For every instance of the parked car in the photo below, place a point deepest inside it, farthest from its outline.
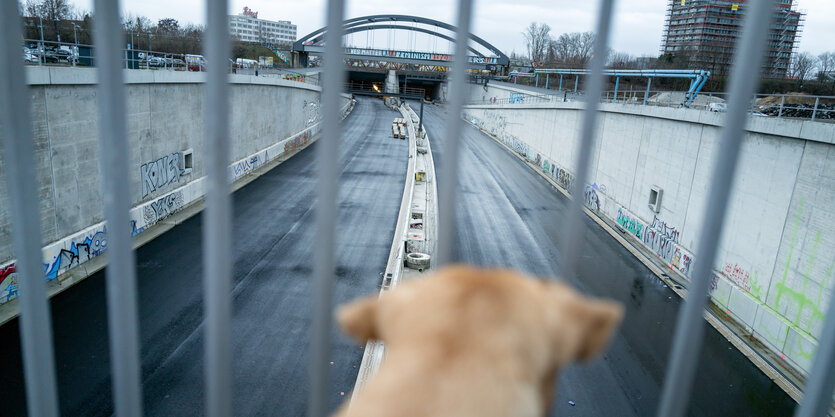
(28, 55)
(63, 55)
(154, 61)
(47, 55)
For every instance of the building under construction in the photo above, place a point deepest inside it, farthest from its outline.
(705, 31)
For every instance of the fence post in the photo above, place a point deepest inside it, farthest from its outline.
(448, 175)
(35, 318)
(646, 95)
(547, 75)
(815, 110)
(782, 102)
(690, 324)
(615, 96)
(327, 160)
(576, 80)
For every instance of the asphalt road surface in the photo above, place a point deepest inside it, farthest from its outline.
(507, 215)
(273, 231)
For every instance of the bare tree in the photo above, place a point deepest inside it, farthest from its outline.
(622, 60)
(572, 49)
(52, 12)
(537, 37)
(826, 64)
(168, 26)
(49, 10)
(803, 65)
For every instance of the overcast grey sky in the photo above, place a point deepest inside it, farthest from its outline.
(637, 27)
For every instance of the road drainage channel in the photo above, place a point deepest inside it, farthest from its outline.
(414, 241)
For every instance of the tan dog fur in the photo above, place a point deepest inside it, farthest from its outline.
(474, 342)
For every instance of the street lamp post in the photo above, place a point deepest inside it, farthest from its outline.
(41, 47)
(75, 37)
(57, 32)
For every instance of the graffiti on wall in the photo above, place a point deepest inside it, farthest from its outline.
(681, 261)
(312, 113)
(564, 178)
(738, 275)
(661, 238)
(162, 208)
(516, 98)
(591, 199)
(157, 174)
(631, 223)
(714, 283)
(297, 141)
(8, 283)
(80, 250)
(246, 166)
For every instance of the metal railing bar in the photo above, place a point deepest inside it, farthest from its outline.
(327, 161)
(690, 326)
(35, 319)
(448, 182)
(572, 226)
(123, 322)
(817, 397)
(217, 229)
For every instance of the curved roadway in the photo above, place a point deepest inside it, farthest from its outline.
(507, 215)
(273, 231)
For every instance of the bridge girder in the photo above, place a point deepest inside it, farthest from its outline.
(310, 43)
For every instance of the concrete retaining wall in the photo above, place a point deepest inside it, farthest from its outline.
(269, 118)
(775, 260)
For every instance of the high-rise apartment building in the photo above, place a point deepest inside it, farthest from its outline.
(249, 28)
(705, 31)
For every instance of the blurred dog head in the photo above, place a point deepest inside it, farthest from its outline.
(509, 320)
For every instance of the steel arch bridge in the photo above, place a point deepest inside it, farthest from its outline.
(313, 43)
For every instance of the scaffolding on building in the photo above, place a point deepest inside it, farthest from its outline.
(704, 33)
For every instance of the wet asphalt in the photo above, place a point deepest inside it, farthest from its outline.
(273, 232)
(508, 216)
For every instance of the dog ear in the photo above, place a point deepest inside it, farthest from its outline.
(599, 318)
(359, 318)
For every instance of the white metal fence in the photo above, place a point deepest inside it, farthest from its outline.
(36, 332)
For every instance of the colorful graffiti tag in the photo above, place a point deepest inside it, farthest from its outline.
(91, 246)
(681, 261)
(661, 239)
(632, 224)
(8, 283)
(738, 275)
(297, 141)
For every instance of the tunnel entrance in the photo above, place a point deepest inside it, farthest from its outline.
(375, 80)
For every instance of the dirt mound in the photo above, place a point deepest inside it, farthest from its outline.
(792, 98)
(670, 97)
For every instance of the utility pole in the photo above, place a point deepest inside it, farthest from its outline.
(57, 32)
